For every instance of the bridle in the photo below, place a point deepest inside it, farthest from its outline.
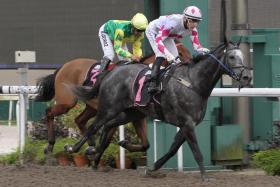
(228, 69)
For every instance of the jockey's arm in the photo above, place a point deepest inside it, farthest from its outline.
(196, 44)
(160, 37)
(195, 41)
(118, 42)
(137, 48)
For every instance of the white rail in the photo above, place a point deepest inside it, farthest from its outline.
(246, 92)
(21, 108)
(18, 89)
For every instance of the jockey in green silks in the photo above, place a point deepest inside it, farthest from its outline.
(114, 36)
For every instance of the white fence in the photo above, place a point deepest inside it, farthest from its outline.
(24, 91)
(22, 97)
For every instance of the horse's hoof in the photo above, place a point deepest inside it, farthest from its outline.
(90, 151)
(47, 150)
(68, 148)
(93, 166)
(154, 174)
(205, 178)
(123, 143)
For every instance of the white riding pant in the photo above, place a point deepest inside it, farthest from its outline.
(168, 43)
(107, 45)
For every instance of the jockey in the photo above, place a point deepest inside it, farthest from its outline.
(114, 36)
(162, 32)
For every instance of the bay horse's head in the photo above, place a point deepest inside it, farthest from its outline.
(184, 54)
(233, 64)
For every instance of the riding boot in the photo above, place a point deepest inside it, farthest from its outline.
(153, 86)
(104, 64)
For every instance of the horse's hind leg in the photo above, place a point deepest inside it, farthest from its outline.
(82, 119)
(141, 131)
(105, 140)
(107, 133)
(51, 112)
(106, 113)
(91, 131)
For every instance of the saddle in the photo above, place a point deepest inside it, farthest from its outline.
(141, 84)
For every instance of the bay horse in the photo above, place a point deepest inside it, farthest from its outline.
(181, 105)
(56, 86)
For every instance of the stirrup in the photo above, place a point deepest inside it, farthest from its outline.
(153, 89)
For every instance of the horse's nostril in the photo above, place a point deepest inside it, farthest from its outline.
(245, 78)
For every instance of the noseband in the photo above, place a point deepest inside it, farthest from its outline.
(228, 69)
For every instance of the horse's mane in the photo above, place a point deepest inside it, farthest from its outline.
(199, 58)
(219, 48)
(146, 57)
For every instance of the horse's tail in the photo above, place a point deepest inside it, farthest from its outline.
(86, 93)
(46, 89)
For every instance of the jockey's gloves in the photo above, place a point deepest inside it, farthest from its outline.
(169, 57)
(135, 58)
(203, 50)
(177, 60)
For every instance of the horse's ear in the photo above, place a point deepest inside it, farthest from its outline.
(226, 40)
(223, 25)
(238, 43)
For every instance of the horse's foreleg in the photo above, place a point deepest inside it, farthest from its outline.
(51, 134)
(82, 119)
(141, 131)
(178, 141)
(192, 141)
(51, 112)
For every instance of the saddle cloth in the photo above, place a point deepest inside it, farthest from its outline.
(140, 87)
(141, 84)
(93, 72)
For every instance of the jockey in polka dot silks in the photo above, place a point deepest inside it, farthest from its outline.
(114, 36)
(162, 32)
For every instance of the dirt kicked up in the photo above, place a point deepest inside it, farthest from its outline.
(35, 175)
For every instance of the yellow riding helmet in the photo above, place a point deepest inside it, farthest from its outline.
(139, 21)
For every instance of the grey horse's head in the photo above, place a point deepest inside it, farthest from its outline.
(234, 60)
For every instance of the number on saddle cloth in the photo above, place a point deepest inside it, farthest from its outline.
(140, 87)
(91, 75)
(94, 71)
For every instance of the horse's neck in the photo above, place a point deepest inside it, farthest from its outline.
(205, 75)
(148, 59)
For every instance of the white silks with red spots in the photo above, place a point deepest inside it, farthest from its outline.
(162, 32)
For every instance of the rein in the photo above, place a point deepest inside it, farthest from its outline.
(228, 69)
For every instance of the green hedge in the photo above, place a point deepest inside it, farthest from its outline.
(34, 151)
(268, 160)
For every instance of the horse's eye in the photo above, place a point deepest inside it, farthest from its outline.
(231, 57)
